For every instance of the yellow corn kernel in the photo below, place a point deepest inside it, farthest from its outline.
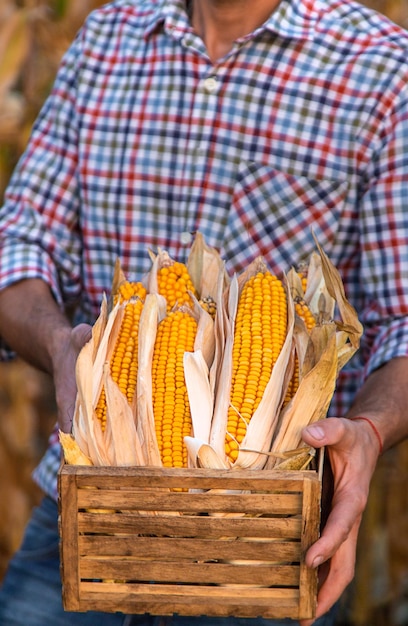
(124, 360)
(174, 283)
(73, 454)
(260, 332)
(302, 272)
(128, 290)
(209, 305)
(171, 408)
(303, 311)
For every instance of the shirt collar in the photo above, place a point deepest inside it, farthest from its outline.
(292, 19)
(171, 15)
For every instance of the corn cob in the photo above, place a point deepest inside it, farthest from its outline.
(124, 360)
(174, 283)
(306, 315)
(128, 290)
(302, 271)
(304, 312)
(175, 335)
(73, 454)
(208, 304)
(260, 332)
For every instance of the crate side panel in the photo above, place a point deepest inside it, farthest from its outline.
(192, 549)
(208, 502)
(68, 529)
(116, 507)
(207, 573)
(132, 523)
(310, 534)
(193, 600)
(154, 477)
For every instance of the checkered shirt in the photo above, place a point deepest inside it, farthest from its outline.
(302, 127)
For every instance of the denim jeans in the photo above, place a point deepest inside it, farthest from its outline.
(31, 591)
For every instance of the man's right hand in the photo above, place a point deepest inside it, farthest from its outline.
(34, 326)
(70, 343)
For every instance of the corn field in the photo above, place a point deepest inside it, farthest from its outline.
(33, 36)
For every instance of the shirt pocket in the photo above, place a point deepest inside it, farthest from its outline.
(273, 214)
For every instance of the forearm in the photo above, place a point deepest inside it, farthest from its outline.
(32, 324)
(384, 400)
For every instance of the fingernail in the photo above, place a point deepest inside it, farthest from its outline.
(317, 561)
(316, 431)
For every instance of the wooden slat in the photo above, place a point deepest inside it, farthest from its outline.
(192, 573)
(154, 477)
(189, 549)
(311, 517)
(194, 600)
(131, 523)
(288, 504)
(68, 528)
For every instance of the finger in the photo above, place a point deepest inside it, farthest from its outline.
(81, 334)
(339, 526)
(340, 574)
(348, 502)
(330, 431)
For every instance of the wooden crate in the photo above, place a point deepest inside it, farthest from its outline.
(134, 540)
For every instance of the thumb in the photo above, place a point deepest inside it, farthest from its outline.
(81, 334)
(327, 431)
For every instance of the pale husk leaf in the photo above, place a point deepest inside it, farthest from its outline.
(203, 455)
(118, 278)
(317, 296)
(309, 404)
(149, 319)
(220, 324)
(85, 428)
(348, 314)
(205, 336)
(199, 393)
(105, 349)
(222, 397)
(298, 461)
(125, 442)
(204, 265)
(73, 454)
(99, 327)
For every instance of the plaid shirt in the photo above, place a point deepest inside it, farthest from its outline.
(302, 125)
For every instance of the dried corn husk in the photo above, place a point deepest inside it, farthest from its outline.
(200, 395)
(197, 380)
(260, 429)
(331, 344)
(205, 265)
(118, 444)
(153, 311)
(130, 437)
(73, 454)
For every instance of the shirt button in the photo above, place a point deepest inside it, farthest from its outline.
(210, 84)
(186, 238)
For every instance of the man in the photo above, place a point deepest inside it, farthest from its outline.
(253, 122)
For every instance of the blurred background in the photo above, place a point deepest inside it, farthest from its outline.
(33, 36)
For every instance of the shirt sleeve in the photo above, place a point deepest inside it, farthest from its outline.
(384, 242)
(39, 223)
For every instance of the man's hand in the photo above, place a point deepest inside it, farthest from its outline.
(353, 451)
(65, 355)
(34, 326)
